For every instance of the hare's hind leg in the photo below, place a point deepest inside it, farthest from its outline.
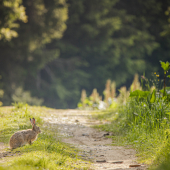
(30, 142)
(16, 142)
(14, 146)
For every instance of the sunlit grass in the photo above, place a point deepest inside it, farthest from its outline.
(143, 126)
(47, 152)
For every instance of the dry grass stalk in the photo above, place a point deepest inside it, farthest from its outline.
(113, 89)
(95, 96)
(83, 97)
(123, 95)
(107, 91)
(135, 84)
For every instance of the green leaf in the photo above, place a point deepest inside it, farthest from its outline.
(153, 96)
(168, 113)
(167, 91)
(168, 76)
(139, 93)
(162, 91)
(165, 66)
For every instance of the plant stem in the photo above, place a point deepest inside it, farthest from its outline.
(164, 82)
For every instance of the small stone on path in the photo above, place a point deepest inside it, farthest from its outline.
(115, 162)
(137, 165)
(101, 160)
(85, 134)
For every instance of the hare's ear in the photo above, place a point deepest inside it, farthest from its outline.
(33, 121)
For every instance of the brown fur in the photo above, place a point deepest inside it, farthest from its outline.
(23, 137)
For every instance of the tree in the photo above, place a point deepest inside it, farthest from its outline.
(104, 39)
(151, 16)
(23, 57)
(100, 42)
(10, 12)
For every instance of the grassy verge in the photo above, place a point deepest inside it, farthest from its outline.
(47, 152)
(146, 128)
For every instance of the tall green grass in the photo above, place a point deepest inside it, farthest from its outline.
(47, 152)
(144, 123)
(147, 126)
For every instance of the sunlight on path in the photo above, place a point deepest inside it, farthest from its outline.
(74, 128)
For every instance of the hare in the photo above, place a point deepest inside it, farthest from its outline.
(23, 137)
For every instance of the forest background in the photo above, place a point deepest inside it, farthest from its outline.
(52, 49)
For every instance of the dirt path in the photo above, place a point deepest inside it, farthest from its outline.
(74, 128)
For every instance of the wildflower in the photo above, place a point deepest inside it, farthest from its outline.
(168, 92)
(158, 79)
(157, 75)
(154, 72)
(135, 114)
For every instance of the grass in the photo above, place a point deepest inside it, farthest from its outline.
(144, 120)
(144, 126)
(47, 152)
